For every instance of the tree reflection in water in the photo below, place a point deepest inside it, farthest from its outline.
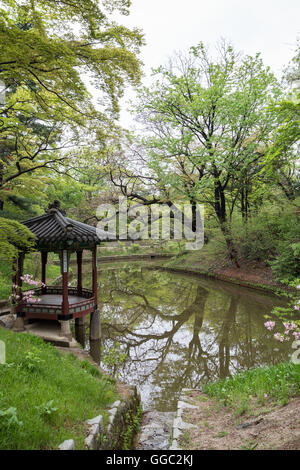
(181, 331)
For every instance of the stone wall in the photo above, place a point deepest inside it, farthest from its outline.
(120, 430)
(123, 423)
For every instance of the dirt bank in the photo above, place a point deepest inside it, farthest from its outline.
(268, 427)
(251, 275)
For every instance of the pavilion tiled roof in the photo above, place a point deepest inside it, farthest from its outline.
(55, 230)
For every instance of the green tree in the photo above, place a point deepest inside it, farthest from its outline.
(14, 237)
(208, 128)
(282, 155)
(50, 49)
(46, 46)
(30, 143)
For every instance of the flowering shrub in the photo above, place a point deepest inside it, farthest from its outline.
(29, 295)
(270, 325)
(291, 328)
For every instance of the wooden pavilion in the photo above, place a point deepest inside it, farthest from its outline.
(55, 232)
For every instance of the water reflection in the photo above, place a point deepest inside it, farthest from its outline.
(181, 331)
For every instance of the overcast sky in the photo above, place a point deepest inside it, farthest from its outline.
(267, 26)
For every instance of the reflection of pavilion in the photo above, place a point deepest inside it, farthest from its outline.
(57, 233)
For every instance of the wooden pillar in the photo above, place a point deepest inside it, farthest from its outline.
(95, 285)
(19, 322)
(19, 276)
(95, 328)
(65, 294)
(65, 323)
(14, 281)
(44, 256)
(79, 273)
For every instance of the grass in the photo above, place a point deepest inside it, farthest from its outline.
(45, 396)
(251, 445)
(274, 384)
(185, 438)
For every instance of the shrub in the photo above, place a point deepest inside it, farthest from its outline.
(286, 265)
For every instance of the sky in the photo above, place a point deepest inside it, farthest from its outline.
(267, 26)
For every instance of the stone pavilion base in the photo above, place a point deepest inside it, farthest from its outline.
(50, 331)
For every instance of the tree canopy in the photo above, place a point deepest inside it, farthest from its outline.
(208, 126)
(53, 54)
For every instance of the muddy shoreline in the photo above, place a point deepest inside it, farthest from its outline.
(275, 288)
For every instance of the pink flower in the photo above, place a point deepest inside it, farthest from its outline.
(269, 325)
(28, 279)
(279, 337)
(289, 326)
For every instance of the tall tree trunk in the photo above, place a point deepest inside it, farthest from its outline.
(244, 200)
(197, 222)
(220, 209)
(233, 254)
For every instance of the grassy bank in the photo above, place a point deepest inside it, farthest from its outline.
(204, 262)
(258, 409)
(46, 396)
(274, 384)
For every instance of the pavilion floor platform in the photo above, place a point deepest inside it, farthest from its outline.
(50, 331)
(56, 299)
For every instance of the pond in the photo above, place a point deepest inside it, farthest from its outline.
(164, 331)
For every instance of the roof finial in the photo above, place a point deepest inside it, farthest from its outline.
(55, 207)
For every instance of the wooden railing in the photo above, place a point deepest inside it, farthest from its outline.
(44, 310)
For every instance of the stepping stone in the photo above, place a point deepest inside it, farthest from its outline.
(67, 445)
(155, 431)
(179, 423)
(184, 404)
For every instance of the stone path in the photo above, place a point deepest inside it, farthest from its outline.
(161, 431)
(155, 431)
